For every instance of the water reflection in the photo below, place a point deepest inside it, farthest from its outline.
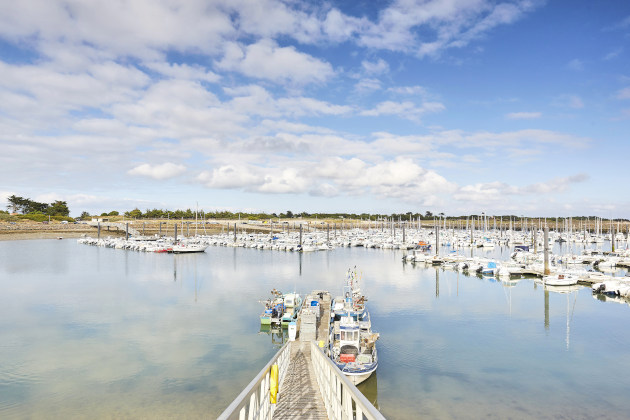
(278, 335)
(107, 333)
(369, 389)
(571, 293)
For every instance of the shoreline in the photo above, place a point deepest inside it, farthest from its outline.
(26, 230)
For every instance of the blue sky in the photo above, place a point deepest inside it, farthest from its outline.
(454, 106)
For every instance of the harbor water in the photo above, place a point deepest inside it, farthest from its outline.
(91, 332)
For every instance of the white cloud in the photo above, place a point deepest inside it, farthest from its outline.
(523, 115)
(324, 190)
(576, 65)
(569, 101)
(496, 192)
(43, 92)
(339, 27)
(613, 54)
(409, 90)
(160, 172)
(407, 109)
(4, 197)
(556, 185)
(231, 176)
(452, 24)
(284, 181)
(183, 71)
(266, 60)
(137, 29)
(368, 85)
(510, 139)
(624, 93)
(379, 66)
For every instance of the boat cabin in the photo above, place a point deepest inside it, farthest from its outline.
(291, 300)
(349, 335)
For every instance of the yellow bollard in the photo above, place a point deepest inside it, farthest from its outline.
(321, 344)
(273, 385)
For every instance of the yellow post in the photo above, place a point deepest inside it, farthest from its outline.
(273, 384)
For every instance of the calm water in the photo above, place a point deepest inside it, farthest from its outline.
(88, 332)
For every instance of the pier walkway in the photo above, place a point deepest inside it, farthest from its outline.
(300, 396)
(310, 385)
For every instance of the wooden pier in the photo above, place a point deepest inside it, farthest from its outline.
(300, 396)
(310, 385)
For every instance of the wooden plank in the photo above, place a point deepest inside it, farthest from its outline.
(299, 395)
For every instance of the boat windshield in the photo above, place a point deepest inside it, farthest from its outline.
(349, 335)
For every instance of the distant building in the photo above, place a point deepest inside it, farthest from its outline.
(100, 219)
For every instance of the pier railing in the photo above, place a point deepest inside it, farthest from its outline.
(342, 399)
(253, 402)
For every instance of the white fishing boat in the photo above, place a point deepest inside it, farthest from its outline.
(352, 341)
(292, 305)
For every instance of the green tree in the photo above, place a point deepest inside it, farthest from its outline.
(112, 213)
(135, 213)
(25, 205)
(15, 204)
(58, 208)
(85, 215)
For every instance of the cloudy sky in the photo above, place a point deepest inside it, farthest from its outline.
(454, 106)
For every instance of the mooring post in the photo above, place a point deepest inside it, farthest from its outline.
(160, 229)
(143, 223)
(175, 232)
(300, 234)
(127, 231)
(99, 230)
(437, 238)
(403, 229)
(546, 239)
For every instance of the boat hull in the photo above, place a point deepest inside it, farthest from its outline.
(356, 375)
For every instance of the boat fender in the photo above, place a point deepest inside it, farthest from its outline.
(273, 384)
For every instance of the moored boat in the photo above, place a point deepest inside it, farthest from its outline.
(560, 279)
(274, 309)
(352, 341)
(187, 248)
(292, 305)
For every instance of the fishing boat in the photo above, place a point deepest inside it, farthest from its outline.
(292, 305)
(274, 309)
(352, 341)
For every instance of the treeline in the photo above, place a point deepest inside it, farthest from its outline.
(22, 205)
(227, 215)
(409, 216)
